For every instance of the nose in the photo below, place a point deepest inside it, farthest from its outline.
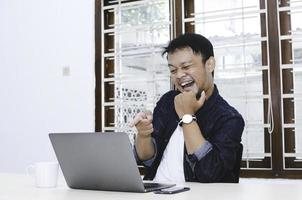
(180, 73)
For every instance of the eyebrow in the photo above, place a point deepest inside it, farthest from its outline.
(183, 63)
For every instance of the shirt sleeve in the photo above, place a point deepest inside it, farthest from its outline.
(203, 150)
(192, 159)
(149, 162)
(217, 159)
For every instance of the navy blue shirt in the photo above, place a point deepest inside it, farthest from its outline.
(221, 125)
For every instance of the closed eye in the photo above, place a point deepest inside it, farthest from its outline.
(173, 71)
(186, 66)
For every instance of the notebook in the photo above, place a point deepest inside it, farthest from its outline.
(100, 161)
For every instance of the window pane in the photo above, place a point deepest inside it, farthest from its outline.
(234, 29)
(140, 74)
(292, 99)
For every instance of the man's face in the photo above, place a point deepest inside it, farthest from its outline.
(188, 72)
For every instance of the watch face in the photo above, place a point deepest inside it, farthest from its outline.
(187, 119)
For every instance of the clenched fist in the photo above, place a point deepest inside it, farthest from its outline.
(187, 103)
(143, 123)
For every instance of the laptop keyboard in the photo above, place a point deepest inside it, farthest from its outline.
(152, 185)
(149, 186)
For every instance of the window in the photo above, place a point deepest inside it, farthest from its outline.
(134, 75)
(234, 29)
(258, 51)
(290, 42)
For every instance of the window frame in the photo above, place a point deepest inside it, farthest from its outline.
(275, 78)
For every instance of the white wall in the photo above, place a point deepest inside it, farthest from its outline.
(38, 38)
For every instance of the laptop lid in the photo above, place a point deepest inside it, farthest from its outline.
(98, 161)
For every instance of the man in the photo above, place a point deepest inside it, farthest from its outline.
(194, 134)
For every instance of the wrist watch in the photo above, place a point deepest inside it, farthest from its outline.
(187, 119)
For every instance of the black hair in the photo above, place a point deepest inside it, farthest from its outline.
(198, 43)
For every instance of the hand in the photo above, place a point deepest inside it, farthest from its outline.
(186, 103)
(143, 123)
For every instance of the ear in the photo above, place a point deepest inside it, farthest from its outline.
(210, 64)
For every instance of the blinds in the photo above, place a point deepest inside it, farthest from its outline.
(234, 28)
(290, 15)
(135, 32)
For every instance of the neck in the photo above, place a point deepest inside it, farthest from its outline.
(209, 91)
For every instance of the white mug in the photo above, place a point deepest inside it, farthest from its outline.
(44, 173)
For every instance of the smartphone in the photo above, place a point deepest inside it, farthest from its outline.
(172, 190)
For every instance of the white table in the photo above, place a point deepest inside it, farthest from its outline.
(20, 187)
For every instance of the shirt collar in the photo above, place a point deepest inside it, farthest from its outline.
(208, 104)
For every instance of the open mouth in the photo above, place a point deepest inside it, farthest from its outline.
(187, 84)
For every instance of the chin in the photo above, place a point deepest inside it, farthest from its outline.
(194, 90)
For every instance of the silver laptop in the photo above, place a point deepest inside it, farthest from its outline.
(100, 161)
